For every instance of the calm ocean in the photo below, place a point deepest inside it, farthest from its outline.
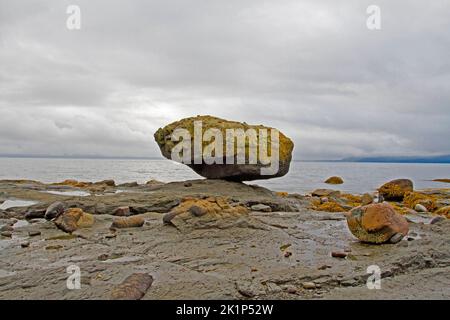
(303, 177)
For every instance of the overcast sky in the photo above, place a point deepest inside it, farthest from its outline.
(310, 68)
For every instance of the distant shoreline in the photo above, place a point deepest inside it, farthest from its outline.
(399, 160)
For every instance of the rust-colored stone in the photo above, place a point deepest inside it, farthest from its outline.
(376, 223)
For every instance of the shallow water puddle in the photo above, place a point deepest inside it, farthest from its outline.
(16, 203)
(73, 193)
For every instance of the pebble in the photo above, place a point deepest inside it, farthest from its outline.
(25, 244)
(287, 254)
(324, 267)
(309, 285)
(420, 208)
(34, 233)
(337, 254)
(291, 290)
(7, 234)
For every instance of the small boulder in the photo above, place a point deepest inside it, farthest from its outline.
(128, 222)
(395, 190)
(377, 223)
(334, 180)
(54, 210)
(74, 218)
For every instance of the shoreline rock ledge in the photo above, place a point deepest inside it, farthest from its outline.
(227, 171)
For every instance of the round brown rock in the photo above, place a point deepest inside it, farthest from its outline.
(377, 223)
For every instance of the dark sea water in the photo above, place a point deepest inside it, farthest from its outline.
(303, 177)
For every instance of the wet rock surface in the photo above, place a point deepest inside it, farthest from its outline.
(233, 257)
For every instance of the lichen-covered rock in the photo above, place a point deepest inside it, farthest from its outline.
(334, 180)
(229, 171)
(377, 223)
(74, 218)
(128, 222)
(213, 207)
(412, 199)
(395, 190)
(133, 287)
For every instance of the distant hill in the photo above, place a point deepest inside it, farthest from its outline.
(387, 159)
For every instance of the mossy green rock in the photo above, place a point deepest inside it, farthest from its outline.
(236, 172)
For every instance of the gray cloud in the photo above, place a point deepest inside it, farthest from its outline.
(310, 68)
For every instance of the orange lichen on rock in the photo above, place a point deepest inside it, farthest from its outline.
(411, 199)
(351, 200)
(73, 183)
(399, 208)
(330, 206)
(282, 194)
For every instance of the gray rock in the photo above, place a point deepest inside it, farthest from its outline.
(261, 207)
(437, 220)
(54, 210)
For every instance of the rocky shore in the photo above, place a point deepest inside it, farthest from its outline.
(216, 239)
